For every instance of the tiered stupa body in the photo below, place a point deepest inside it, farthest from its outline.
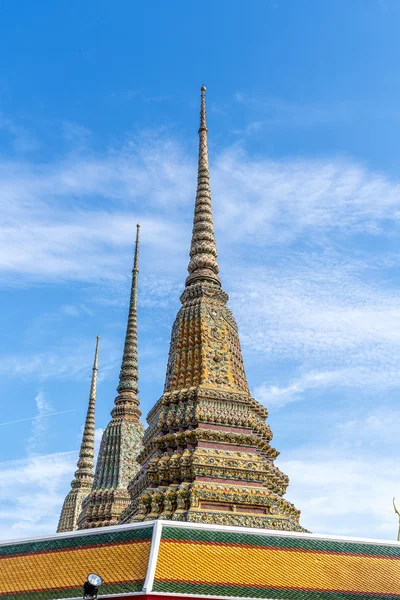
(121, 442)
(207, 455)
(83, 481)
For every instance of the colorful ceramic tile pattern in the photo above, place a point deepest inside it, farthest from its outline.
(58, 567)
(222, 563)
(207, 456)
(201, 560)
(122, 439)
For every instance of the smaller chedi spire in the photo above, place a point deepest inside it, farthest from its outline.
(203, 249)
(82, 484)
(122, 438)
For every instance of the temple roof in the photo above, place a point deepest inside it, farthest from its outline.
(180, 559)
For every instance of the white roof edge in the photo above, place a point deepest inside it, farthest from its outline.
(175, 594)
(280, 533)
(124, 594)
(153, 557)
(206, 527)
(78, 532)
(180, 595)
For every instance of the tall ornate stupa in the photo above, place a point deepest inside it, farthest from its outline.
(207, 455)
(121, 441)
(83, 481)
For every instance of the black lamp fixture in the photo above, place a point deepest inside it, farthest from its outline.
(91, 586)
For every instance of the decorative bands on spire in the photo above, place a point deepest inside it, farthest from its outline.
(203, 250)
(83, 481)
(121, 440)
(129, 376)
(86, 453)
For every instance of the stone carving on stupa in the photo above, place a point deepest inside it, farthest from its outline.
(121, 441)
(207, 454)
(83, 481)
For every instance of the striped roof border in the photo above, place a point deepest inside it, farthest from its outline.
(160, 530)
(206, 527)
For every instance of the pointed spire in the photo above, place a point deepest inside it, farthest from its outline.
(121, 442)
(206, 397)
(84, 476)
(203, 250)
(86, 453)
(128, 377)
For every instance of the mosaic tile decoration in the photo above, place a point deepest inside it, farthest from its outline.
(207, 456)
(58, 567)
(219, 563)
(197, 560)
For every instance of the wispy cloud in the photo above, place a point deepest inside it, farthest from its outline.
(79, 214)
(39, 423)
(274, 396)
(280, 112)
(31, 493)
(337, 326)
(378, 428)
(41, 416)
(70, 360)
(22, 139)
(305, 292)
(98, 434)
(276, 202)
(347, 495)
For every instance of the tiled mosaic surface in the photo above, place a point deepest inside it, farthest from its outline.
(202, 562)
(57, 567)
(260, 566)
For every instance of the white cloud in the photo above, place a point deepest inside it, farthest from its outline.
(33, 489)
(378, 428)
(279, 201)
(337, 327)
(98, 434)
(72, 360)
(22, 140)
(75, 310)
(39, 423)
(278, 112)
(344, 494)
(319, 309)
(49, 414)
(274, 396)
(32, 492)
(80, 213)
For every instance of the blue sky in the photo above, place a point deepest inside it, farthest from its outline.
(98, 130)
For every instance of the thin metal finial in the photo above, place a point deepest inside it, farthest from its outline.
(136, 259)
(203, 120)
